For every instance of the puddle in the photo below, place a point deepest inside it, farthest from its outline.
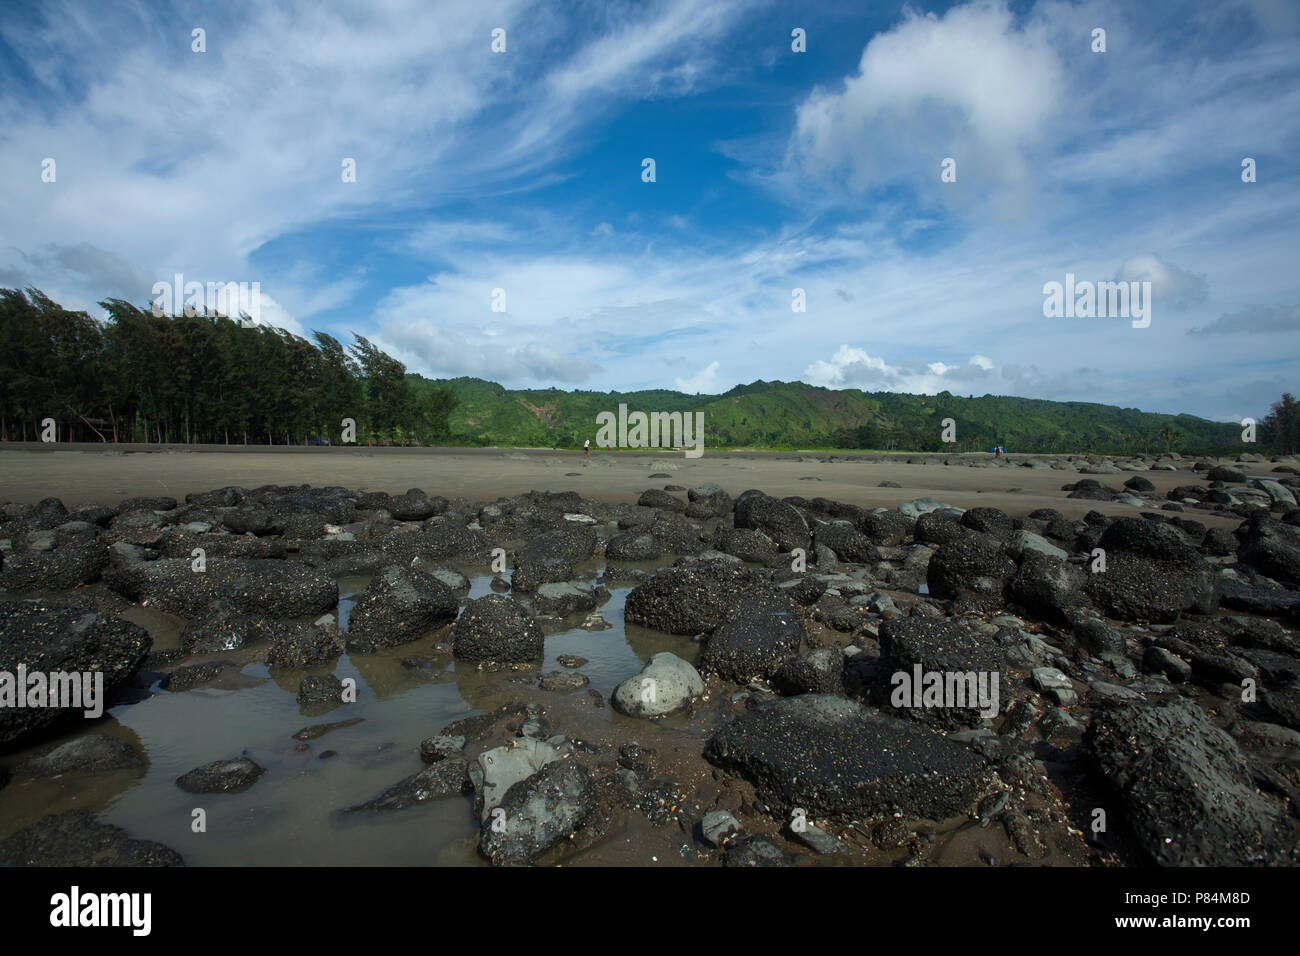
(291, 816)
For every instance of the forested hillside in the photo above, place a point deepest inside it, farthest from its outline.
(207, 379)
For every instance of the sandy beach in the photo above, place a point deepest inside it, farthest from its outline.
(82, 474)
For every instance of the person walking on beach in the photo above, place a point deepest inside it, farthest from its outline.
(586, 448)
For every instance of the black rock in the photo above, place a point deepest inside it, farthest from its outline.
(402, 605)
(1185, 789)
(75, 839)
(495, 628)
(221, 776)
(757, 635)
(51, 641)
(829, 755)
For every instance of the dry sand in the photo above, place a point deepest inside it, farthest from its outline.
(80, 474)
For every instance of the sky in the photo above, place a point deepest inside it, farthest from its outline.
(516, 178)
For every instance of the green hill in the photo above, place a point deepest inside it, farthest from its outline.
(789, 415)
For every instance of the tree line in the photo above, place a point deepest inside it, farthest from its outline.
(201, 378)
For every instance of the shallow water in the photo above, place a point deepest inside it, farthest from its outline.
(291, 815)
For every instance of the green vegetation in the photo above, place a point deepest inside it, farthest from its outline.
(200, 378)
(205, 378)
(789, 415)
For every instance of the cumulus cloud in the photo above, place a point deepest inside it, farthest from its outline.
(705, 381)
(852, 367)
(1170, 285)
(972, 85)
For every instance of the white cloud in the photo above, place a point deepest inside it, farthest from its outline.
(972, 85)
(852, 367)
(1170, 285)
(705, 381)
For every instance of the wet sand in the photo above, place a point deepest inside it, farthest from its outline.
(81, 474)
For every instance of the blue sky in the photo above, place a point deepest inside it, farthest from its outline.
(775, 170)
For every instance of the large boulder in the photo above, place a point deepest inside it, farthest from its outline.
(267, 587)
(495, 628)
(937, 645)
(76, 839)
(1185, 789)
(665, 685)
(691, 599)
(538, 813)
(401, 605)
(1152, 574)
(80, 561)
(757, 635)
(780, 521)
(832, 756)
(974, 563)
(53, 641)
(1048, 587)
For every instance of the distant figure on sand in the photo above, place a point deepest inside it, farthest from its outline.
(586, 448)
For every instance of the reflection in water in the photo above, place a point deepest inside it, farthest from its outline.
(290, 817)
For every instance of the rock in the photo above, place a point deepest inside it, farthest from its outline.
(501, 768)
(401, 605)
(270, 588)
(1139, 484)
(1157, 660)
(753, 851)
(320, 692)
(829, 755)
(223, 629)
(415, 505)
(75, 839)
(1022, 542)
(934, 645)
(633, 546)
(760, 632)
(320, 730)
(719, 827)
(708, 500)
(1049, 588)
(192, 675)
(221, 776)
(495, 628)
(665, 685)
(57, 641)
(441, 747)
(691, 599)
(305, 645)
(971, 564)
(819, 671)
(778, 520)
(538, 813)
(1271, 547)
(1185, 788)
(72, 565)
(886, 528)
(816, 839)
(991, 521)
(1152, 574)
(92, 753)
(1223, 473)
(847, 542)
(565, 597)
(654, 498)
(745, 543)
(921, 506)
(446, 778)
(560, 682)
(1281, 705)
